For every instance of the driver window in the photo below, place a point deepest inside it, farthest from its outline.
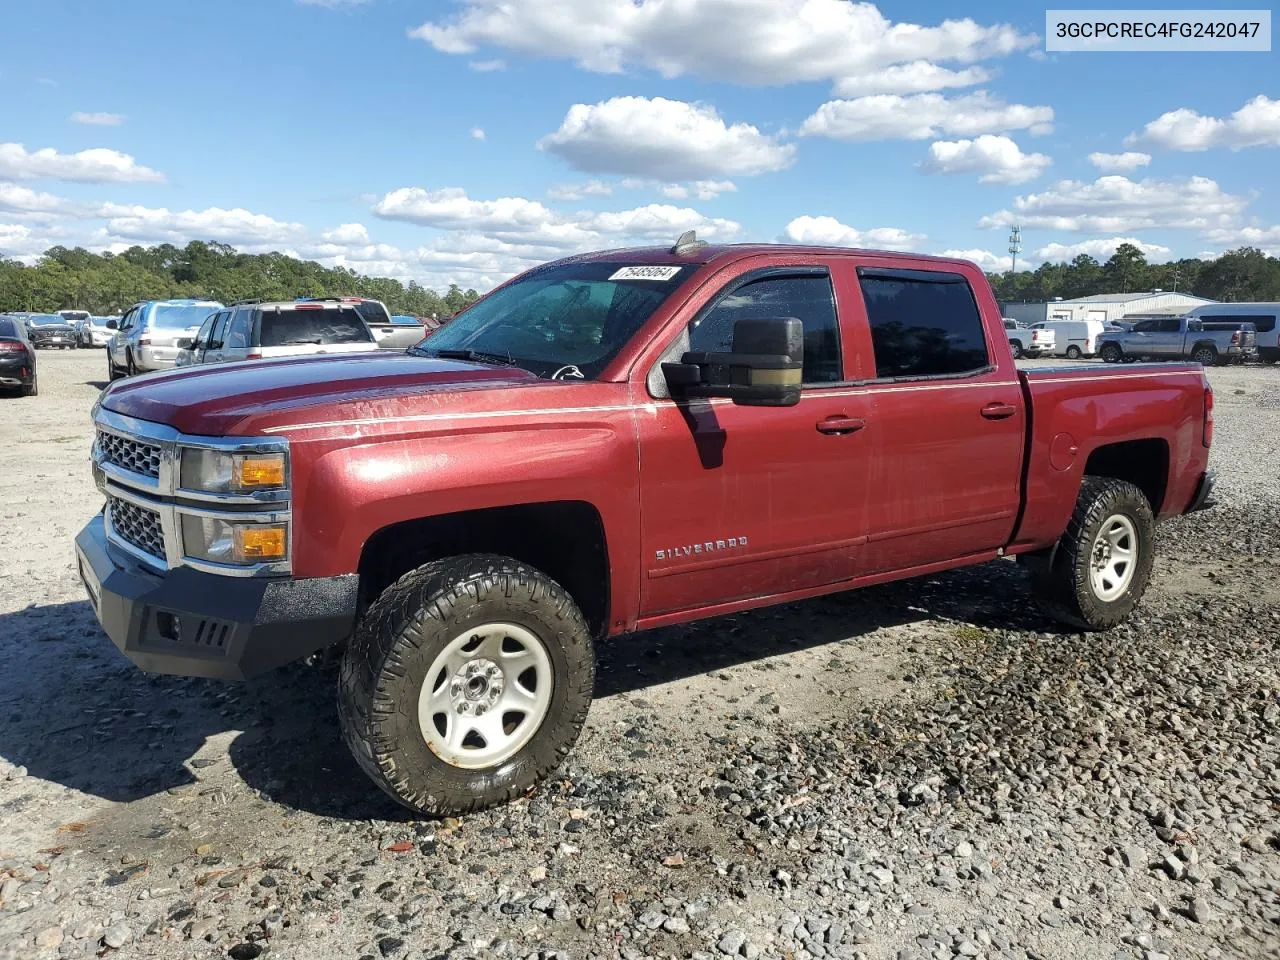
(810, 299)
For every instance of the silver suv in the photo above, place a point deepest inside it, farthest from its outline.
(146, 336)
(251, 330)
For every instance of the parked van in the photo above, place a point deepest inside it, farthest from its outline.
(1073, 339)
(1265, 318)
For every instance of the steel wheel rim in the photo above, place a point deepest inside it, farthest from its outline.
(485, 696)
(1113, 557)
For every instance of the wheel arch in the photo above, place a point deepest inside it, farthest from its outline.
(563, 539)
(1143, 462)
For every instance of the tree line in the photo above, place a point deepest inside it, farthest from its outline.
(106, 284)
(1239, 275)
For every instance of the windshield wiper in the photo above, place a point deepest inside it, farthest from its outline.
(475, 356)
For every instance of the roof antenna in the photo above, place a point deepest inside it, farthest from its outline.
(688, 241)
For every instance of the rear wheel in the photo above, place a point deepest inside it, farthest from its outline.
(1102, 564)
(112, 372)
(466, 683)
(1111, 353)
(130, 368)
(32, 389)
(1205, 355)
(1074, 352)
(1016, 347)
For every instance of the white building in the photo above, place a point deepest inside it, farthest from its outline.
(1106, 306)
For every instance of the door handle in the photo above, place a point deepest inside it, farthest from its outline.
(998, 411)
(840, 425)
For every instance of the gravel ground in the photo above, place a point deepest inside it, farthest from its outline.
(924, 770)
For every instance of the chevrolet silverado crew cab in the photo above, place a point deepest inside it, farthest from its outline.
(609, 443)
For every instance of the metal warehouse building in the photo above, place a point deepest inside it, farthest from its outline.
(1106, 306)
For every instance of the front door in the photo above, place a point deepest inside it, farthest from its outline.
(741, 501)
(949, 422)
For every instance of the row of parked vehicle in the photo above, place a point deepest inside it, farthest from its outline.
(1212, 334)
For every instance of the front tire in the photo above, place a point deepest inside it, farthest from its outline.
(1102, 564)
(445, 671)
(1111, 353)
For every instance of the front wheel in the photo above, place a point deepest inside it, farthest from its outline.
(466, 683)
(1111, 353)
(1102, 563)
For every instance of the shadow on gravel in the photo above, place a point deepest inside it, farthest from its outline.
(97, 384)
(73, 711)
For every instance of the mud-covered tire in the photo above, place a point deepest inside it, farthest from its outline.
(388, 660)
(1064, 587)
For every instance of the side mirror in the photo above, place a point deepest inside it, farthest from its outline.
(112, 325)
(764, 368)
(184, 343)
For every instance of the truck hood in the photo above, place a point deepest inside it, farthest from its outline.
(210, 400)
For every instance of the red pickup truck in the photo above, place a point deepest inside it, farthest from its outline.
(609, 443)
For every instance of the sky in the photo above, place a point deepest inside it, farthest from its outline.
(461, 141)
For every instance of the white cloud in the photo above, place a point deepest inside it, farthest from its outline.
(1100, 250)
(98, 165)
(828, 231)
(702, 189)
(1119, 162)
(97, 119)
(539, 230)
(18, 242)
(750, 42)
(920, 76)
(1116, 204)
(1256, 124)
(985, 259)
(238, 227)
(1244, 236)
(579, 191)
(997, 159)
(923, 115)
(16, 199)
(347, 235)
(664, 139)
(487, 66)
(477, 133)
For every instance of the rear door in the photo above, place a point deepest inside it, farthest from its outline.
(741, 501)
(1168, 338)
(948, 420)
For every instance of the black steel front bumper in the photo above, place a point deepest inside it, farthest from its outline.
(190, 623)
(1204, 492)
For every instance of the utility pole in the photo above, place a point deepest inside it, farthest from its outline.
(1015, 247)
(1177, 271)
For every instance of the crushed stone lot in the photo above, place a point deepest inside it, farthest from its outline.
(929, 769)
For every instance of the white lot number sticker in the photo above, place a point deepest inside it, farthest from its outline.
(651, 272)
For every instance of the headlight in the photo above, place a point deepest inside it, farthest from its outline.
(243, 542)
(213, 471)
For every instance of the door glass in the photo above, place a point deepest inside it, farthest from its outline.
(923, 324)
(238, 331)
(807, 298)
(1169, 325)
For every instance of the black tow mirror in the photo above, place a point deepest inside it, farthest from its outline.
(112, 325)
(764, 368)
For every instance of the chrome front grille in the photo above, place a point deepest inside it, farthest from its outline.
(137, 525)
(132, 455)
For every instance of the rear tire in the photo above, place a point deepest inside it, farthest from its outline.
(1016, 347)
(112, 373)
(1090, 585)
(32, 389)
(1111, 353)
(1206, 356)
(130, 368)
(412, 664)
(1074, 352)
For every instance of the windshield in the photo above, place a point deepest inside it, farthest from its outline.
(181, 317)
(576, 315)
(293, 327)
(45, 320)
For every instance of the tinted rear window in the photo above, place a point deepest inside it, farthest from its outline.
(7, 329)
(288, 328)
(923, 324)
